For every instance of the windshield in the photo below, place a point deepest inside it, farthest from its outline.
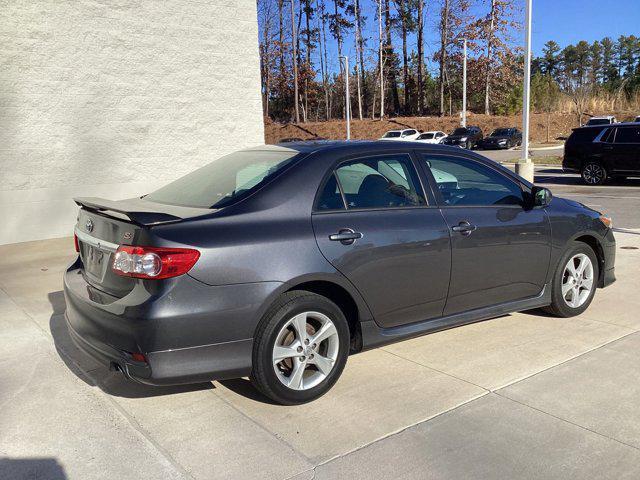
(391, 135)
(499, 132)
(460, 131)
(224, 181)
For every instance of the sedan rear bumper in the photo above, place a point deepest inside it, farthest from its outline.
(187, 331)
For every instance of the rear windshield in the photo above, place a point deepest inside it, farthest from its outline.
(460, 131)
(391, 135)
(599, 121)
(224, 181)
(584, 135)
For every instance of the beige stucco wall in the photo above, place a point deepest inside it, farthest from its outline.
(115, 97)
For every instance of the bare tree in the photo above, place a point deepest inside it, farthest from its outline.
(420, 57)
(381, 48)
(360, 56)
(487, 82)
(444, 42)
(294, 37)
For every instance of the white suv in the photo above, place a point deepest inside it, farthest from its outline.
(604, 120)
(404, 135)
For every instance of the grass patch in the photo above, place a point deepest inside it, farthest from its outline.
(548, 160)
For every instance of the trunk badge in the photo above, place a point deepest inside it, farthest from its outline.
(88, 225)
(127, 235)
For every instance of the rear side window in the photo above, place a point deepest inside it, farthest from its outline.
(226, 180)
(584, 135)
(628, 135)
(385, 181)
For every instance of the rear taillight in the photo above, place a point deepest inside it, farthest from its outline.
(153, 262)
(75, 243)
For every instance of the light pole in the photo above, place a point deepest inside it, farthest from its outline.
(347, 100)
(524, 167)
(464, 83)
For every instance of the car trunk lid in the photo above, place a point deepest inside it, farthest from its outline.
(103, 225)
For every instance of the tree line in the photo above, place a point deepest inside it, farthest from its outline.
(405, 58)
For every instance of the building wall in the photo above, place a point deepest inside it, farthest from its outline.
(114, 98)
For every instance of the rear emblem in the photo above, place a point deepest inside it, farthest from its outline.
(89, 225)
(127, 235)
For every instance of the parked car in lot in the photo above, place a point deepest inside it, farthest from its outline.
(602, 152)
(290, 140)
(276, 263)
(464, 137)
(407, 134)
(431, 137)
(637, 119)
(604, 120)
(501, 138)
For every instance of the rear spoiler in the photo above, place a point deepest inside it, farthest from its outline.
(139, 211)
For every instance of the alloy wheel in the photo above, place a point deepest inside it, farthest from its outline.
(577, 280)
(306, 350)
(594, 174)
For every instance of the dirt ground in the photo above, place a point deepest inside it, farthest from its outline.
(560, 126)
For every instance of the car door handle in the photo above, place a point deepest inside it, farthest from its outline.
(465, 228)
(346, 236)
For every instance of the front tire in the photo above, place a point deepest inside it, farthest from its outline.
(594, 174)
(574, 281)
(300, 348)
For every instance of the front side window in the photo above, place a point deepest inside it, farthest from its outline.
(628, 135)
(461, 131)
(385, 181)
(406, 133)
(226, 180)
(463, 182)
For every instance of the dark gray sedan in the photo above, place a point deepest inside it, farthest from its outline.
(278, 262)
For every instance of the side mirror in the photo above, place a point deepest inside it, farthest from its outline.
(541, 196)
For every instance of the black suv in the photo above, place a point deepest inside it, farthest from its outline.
(502, 138)
(464, 137)
(602, 152)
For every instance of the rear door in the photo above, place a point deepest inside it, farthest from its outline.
(374, 224)
(624, 153)
(500, 250)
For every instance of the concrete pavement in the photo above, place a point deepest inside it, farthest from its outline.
(520, 396)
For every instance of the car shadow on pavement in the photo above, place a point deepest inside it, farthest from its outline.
(95, 374)
(244, 388)
(16, 468)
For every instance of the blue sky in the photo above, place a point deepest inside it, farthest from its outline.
(565, 21)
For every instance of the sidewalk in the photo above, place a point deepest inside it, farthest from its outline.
(520, 396)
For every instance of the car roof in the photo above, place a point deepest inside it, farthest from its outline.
(602, 117)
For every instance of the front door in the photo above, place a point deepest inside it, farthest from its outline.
(373, 223)
(500, 249)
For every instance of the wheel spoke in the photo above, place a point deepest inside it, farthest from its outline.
(281, 352)
(587, 283)
(327, 330)
(571, 267)
(299, 323)
(324, 364)
(566, 287)
(581, 266)
(296, 377)
(575, 297)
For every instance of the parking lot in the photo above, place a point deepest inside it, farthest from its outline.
(520, 396)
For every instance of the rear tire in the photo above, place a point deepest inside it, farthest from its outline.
(572, 289)
(594, 174)
(290, 367)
